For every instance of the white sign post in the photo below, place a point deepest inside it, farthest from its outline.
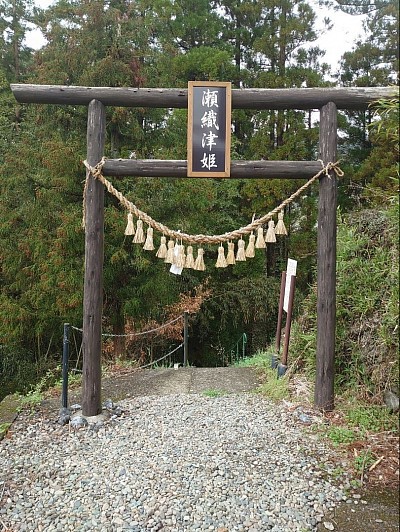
(288, 282)
(290, 270)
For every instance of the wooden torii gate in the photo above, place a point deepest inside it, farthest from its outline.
(328, 101)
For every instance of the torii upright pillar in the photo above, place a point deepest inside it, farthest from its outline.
(326, 261)
(94, 258)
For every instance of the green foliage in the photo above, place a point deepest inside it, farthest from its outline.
(367, 310)
(214, 393)
(18, 376)
(243, 303)
(50, 381)
(363, 461)
(74, 381)
(341, 435)
(3, 429)
(273, 387)
(32, 399)
(261, 360)
(372, 418)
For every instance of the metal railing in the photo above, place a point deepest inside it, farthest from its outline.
(238, 350)
(169, 358)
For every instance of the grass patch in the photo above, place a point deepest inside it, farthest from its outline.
(262, 359)
(48, 385)
(3, 429)
(363, 461)
(32, 399)
(214, 393)
(341, 435)
(274, 388)
(372, 418)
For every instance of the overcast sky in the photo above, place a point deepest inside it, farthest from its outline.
(340, 39)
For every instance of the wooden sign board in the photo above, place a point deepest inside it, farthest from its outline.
(209, 129)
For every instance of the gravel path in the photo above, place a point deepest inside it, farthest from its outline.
(172, 463)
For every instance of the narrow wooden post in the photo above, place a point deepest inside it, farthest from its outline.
(65, 361)
(185, 338)
(326, 277)
(288, 321)
(94, 257)
(280, 313)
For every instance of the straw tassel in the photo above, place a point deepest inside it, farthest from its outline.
(199, 263)
(221, 260)
(270, 236)
(149, 244)
(130, 228)
(260, 242)
(230, 258)
(189, 263)
(280, 228)
(139, 235)
(241, 255)
(169, 258)
(180, 259)
(162, 250)
(250, 251)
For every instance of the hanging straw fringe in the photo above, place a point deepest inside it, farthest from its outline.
(199, 263)
(180, 259)
(280, 228)
(169, 259)
(205, 239)
(221, 260)
(241, 255)
(189, 258)
(250, 251)
(162, 250)
(230, 258)
(270, 236)
(260, 242)
(130, 228)
(149, 245)
(139, 235)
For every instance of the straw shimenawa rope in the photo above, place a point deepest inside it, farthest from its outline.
(96, 172)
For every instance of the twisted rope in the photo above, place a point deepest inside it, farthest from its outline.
(96, 172)
(141, 333)
(162, 358)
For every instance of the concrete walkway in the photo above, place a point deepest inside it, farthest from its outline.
(169, 381)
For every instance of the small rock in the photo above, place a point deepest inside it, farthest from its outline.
(117, 411)
(78, 422)
(64, 419)
(108, 404)
(75, 407)
(391, 400)
(328, 525)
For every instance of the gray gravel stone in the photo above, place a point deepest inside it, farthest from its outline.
(175, 463)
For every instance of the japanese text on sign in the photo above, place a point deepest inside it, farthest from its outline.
(209, 129)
